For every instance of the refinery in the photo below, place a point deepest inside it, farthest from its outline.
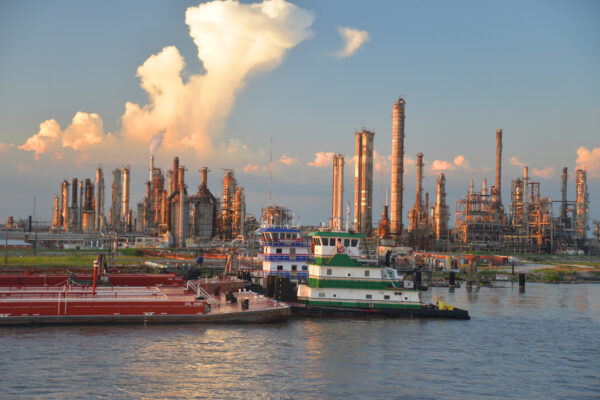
(172, 215)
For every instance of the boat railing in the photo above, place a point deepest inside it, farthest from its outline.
(284, 257)
(200, 291)
(285, 242)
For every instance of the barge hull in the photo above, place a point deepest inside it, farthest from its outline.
(279, 314)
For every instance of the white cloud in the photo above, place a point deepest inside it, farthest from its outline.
(515, 161)
(461, 162)
(322, 160)
(545, 173)
(287, 160)
(47, 135)
(353, 39)
(441, 165)
(85, 131)
(589, 160)
(234, 41)
(254, 169)
(381, 163)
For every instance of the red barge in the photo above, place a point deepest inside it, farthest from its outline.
(45, 305)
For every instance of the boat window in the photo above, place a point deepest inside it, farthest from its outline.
(305, 268)
(325, 241)
(367, 272)
(318, 240)
(354, 242)
(329, 271)
(280, 268)
(334, 295)
(349, 274)
(294, 267)
(369, 297)
(346, 242)
(386, 297)
(279, 251)
(321, 294)
(405, 298)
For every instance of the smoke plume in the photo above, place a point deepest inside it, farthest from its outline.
(156, 141)
(234, 41)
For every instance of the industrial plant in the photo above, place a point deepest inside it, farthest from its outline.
(481, 222)
(171, 214)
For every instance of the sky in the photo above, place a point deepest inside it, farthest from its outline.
(94, 83)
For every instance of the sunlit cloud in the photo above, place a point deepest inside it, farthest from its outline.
(515, 161)
(441, 165)
(322, 160)
(545, 173)
(255, 169)
(352, 40)
(288, 160)
(461, 162)
(589, 160)
(234, 42)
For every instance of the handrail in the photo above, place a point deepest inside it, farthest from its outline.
(200, 291)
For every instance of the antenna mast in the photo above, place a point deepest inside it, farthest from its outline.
(270, 166)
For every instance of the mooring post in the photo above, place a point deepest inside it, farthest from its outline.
(522, 281)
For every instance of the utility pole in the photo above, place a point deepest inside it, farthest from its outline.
(6, 245)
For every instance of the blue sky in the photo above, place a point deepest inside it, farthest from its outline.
(466, 68)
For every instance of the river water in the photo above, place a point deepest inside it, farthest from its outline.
(542, 343)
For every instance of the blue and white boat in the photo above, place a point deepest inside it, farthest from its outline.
(285, 252)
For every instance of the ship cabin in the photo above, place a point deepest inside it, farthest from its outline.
(326, 244)
(285, 252)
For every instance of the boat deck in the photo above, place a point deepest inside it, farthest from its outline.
(78, 304)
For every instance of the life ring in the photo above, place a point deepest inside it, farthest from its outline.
(341, 250)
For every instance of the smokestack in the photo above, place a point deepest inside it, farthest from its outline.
(441, 210)
(581, 204)
(498, 166)
(126, 181)
(363, 191)
(419, 200)
(89, 195)
(151, 178)
(563, 192)
(175, 174)
(182, 209)
(204, 177)
(99, 198)
(74, 192)
(64, 204)
(398, 117)
(55, 212)
(338, 192)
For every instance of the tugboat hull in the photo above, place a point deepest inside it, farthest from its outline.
(300, 309)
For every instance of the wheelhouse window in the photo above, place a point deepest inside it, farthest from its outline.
(354, 242)
(346, 242)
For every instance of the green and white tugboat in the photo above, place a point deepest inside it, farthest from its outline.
(341, 282)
